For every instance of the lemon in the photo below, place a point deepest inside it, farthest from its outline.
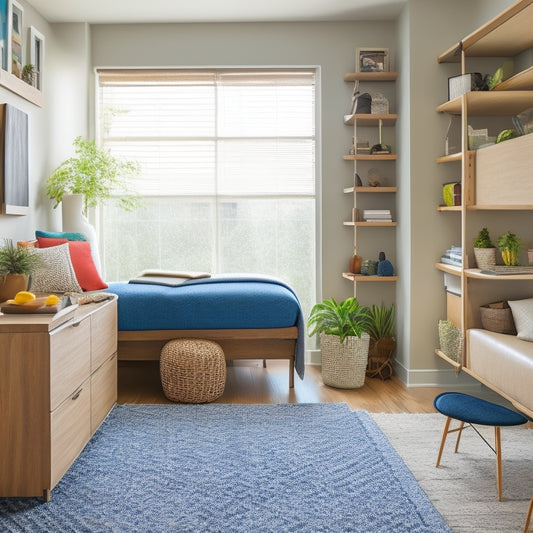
(52, 300)
(23, 297)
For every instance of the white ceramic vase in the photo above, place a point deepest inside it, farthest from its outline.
(75, 221)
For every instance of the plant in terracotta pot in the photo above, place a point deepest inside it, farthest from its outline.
(484, 250)
(17, 263)
(380, 323)
(510, 245)
(343, 340)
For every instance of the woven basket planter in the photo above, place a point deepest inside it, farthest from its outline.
(344, 365)
(451, 341)
(192, 370)
(485, 258)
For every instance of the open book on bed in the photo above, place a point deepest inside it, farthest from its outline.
(170, 278)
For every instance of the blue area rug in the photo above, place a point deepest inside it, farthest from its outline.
(238, 468)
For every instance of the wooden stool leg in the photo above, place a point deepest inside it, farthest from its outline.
(528, 518)
(444, 435)
(498, 447)
(264, 363)
(460, 431)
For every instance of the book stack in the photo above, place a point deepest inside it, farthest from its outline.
(363, 148)
(453, 256)
(377, 215)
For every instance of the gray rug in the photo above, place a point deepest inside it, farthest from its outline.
(232, 468)
(463, 488)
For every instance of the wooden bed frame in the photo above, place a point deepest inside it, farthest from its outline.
(271, 343)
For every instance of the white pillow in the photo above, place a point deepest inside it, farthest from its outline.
(523, 318)
(57, 274)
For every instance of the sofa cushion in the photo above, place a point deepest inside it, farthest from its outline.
(503, 361)
(523, 318)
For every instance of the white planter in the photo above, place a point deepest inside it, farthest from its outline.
(75, 221)
(344, 365)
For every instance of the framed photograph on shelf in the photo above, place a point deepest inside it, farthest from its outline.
(372, 60)
(36, 57)
(17, 61)
(4, 34)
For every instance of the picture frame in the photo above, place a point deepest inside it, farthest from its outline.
(372, 60)
(4, 34)
(16, 18)
(36, 56)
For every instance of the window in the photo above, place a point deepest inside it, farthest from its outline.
(228, 172)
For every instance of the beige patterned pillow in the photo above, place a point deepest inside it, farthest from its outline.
(523, 318)
(57, 274)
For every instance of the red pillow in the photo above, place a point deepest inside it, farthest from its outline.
(82, 262)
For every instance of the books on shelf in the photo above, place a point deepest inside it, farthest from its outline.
(453, 256)
(377, 215)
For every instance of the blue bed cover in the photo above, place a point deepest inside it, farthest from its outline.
(218, 302)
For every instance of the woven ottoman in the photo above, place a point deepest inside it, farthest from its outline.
(192, 370)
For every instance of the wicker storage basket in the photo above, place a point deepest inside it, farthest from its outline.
(485, 258)
(451, 340)
(498, 317)
(192, 370)
(344, 365)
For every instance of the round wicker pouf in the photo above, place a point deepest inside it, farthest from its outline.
(192, 370)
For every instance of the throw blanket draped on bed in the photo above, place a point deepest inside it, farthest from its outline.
(218, 302)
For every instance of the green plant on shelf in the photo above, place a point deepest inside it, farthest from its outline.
(510, 245)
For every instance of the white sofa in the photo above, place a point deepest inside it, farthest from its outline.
(504, 363)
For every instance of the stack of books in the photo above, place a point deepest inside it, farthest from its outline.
(377, 215)
(453, 256)
(363, 148)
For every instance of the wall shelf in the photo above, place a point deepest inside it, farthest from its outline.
(21, 88)
(371, 76)
(375, 279)
(378, 190)
(370, 119)
(365, 157)
(490, 103)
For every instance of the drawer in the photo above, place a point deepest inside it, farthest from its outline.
(103, 391)
(70, 359)
(103, 334)
(70, 427)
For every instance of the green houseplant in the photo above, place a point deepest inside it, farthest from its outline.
(510, 245)
(95, 173)
(17, 263)
(343, 340)
(484, 250)
(380, 323)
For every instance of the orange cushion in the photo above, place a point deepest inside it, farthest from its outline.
(82, 261)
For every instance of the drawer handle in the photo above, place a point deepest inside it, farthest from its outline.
(76, 324)
(76, 395)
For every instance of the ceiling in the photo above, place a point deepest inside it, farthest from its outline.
(137, 11)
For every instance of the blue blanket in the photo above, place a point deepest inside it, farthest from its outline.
(219, 302)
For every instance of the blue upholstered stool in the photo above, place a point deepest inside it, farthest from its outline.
(471, 410)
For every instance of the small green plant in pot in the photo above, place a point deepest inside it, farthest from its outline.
(17, 263)
(484, 250)
(343, 340)
(380, 323)
(510, 245)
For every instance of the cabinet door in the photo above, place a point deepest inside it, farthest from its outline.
(70, 431)
(70, 356)
(103, 391)
(103, 334)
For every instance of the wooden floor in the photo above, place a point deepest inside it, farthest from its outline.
(248, 382)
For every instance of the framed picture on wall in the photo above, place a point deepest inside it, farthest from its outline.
(17, 57)
(372, 60)
(36, 56)
(4, 34)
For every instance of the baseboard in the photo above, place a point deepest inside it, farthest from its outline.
(431, 377)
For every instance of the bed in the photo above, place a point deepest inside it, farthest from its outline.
(251, 317)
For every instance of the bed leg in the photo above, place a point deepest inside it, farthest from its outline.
(291, 374)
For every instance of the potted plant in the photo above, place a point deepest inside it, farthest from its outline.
(17, 263)
(380, 324)
(510, 245)
(343, 340)
(484, 251)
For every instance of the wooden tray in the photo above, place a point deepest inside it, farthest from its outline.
(36, 306)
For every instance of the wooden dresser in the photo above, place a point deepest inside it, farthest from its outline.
(58, 381)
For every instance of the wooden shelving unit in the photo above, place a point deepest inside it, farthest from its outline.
(374, 120)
